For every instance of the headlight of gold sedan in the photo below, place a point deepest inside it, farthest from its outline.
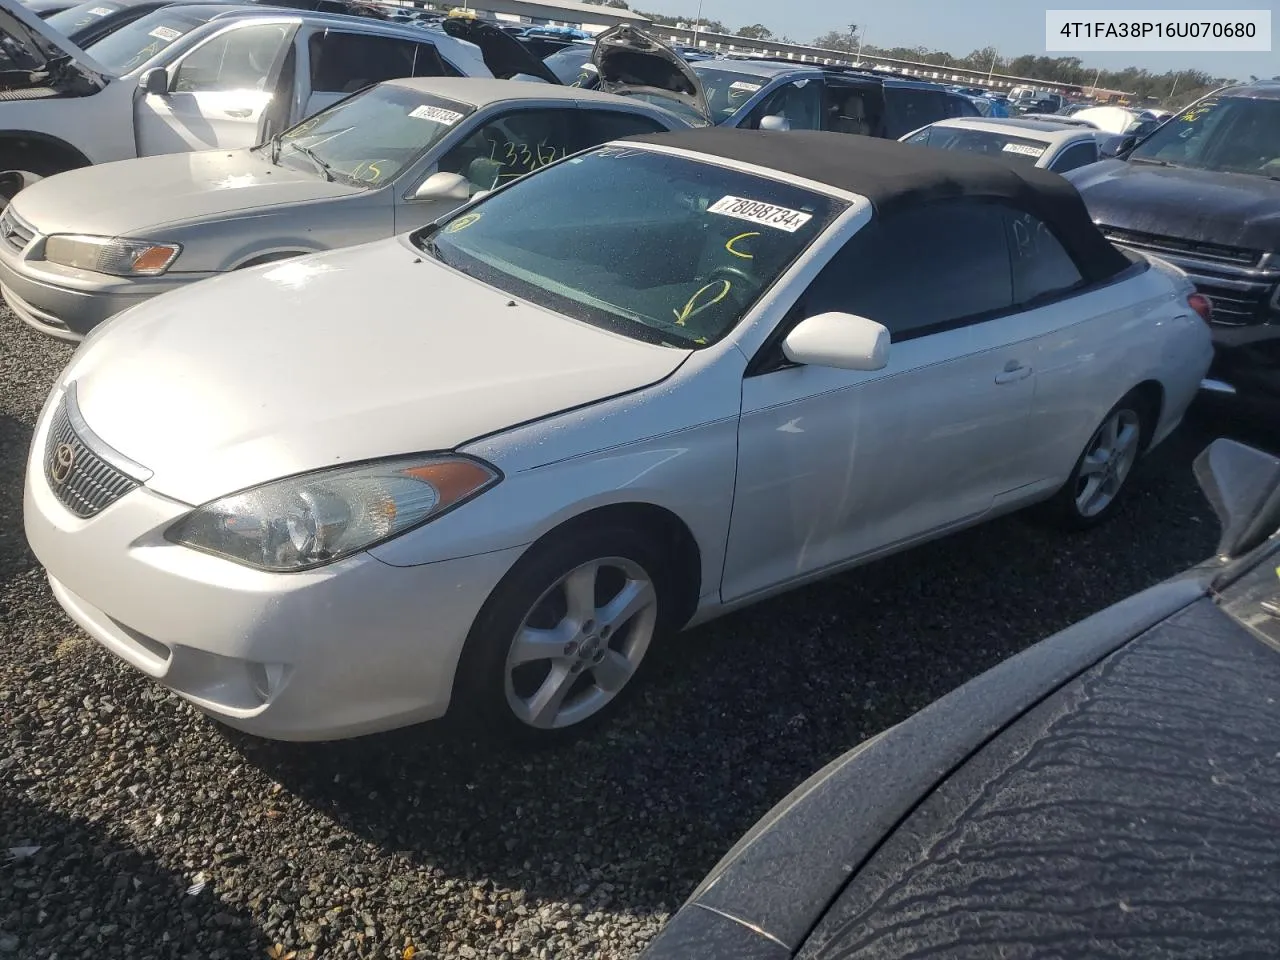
(114, 255)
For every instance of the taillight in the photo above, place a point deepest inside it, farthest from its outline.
(1201, 305)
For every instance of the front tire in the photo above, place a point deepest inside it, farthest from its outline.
(563, 636)
(1101, 476)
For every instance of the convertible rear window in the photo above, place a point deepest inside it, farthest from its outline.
(666, 249)
(1002, 146)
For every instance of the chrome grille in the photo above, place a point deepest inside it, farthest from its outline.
(1239, 281)
(16, 232)
(1159, 244)
(80, 475)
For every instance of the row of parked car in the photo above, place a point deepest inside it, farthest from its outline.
(462, 392)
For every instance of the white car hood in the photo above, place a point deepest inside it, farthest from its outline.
(344, 356)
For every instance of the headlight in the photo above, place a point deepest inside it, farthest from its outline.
(119, 257)
(316, 518)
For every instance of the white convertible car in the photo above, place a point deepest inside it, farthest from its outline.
(480, 467)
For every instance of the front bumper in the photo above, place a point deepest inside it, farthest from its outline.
(67, 303)
(353, 648)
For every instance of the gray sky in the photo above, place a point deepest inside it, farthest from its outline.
(1015, 27)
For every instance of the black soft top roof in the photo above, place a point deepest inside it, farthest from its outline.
(893, 175)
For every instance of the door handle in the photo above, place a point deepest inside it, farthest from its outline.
(1013, 372)
(243, 112)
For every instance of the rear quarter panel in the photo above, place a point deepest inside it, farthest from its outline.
(1103, 344)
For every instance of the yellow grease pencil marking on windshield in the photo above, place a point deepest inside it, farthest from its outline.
(463, 222)
(690, 308)
(742, 236)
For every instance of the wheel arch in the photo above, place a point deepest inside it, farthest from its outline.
(675, 536)
(1152, 392)
(39, 145)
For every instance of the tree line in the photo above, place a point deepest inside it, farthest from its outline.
(1172, 88)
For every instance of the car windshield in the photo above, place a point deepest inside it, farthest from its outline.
(70, 21)
(134, 44)
(1225, 134)
(567, 63)
(726, 90)
(665, 249)
(372, 137)
(1002, 145)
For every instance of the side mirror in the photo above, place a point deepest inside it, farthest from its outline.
(840, 340)
(775, 122)
(154, 82)
(1243, 487)
(443, 186)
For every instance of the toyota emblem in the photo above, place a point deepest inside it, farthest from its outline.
(64, 458)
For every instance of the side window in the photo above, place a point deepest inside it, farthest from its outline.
(960, 107)
(921, 269)
(1076, 155)
(851, 109)
(909, 109)
(1041, 266)
(601, 126)
(800, 102)
(513, 144)
(240, 59)
(347, 62)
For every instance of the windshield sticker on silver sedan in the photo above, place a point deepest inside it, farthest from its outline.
(167, 34)
(438, 114)
(100, 11)
(1022, 150)
(780, 218)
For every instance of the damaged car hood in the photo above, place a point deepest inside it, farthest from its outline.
(1232, 209)
(630, 62)
(131, 197)
(356, 354)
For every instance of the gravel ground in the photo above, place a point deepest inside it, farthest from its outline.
(163, 835)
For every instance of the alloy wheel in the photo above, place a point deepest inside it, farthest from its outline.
(1108, 459)
(581, 643)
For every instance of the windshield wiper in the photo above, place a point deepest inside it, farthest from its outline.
(1151, 161)
(323, 167)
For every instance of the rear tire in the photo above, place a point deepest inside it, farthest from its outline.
(1102, 475)
(560, 641)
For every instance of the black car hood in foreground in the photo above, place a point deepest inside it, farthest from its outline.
(1233, 209)
(1112, 791)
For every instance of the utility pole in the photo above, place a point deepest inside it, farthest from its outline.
(995, 55)
(1095, 82)
(697, 24)
(1174, 87)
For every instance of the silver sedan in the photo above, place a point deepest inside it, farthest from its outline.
(82, 246)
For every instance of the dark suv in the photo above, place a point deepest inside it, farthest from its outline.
(1203, 192)
(768, 94)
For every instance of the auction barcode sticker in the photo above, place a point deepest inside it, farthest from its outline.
(167, 34)
(766, 214)
(438, 114)
(100, 11)
(743, 85)
(1023, 150)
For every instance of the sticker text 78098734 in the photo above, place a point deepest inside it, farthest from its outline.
(766, 214)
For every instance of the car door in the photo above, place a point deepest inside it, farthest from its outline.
(909, 108)
(799, 102)
(1077, 154)
(340, 62)
(853, 108)
(495, 147)
(218, 91)
(838, 464)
